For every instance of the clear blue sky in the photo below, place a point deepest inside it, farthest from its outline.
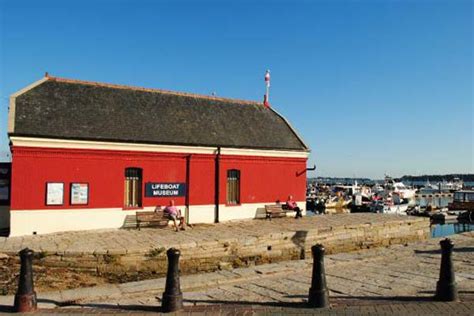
(372, 86)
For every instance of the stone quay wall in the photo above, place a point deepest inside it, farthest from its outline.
(230, 245)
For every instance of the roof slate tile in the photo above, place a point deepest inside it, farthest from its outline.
(67, 109)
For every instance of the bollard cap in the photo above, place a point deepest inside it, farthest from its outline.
(318, 248)
(173, 252)
(446, 243)
(26, 252)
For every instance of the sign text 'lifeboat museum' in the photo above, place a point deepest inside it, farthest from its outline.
(86, 155)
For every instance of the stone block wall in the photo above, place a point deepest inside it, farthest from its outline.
(241, 251)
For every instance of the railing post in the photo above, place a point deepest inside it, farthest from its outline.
(25, 297)
(446, 288)
(172, 296)
(318, 292)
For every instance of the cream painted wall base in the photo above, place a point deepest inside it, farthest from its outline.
(201, 214)
(206, 213)
(51, 221)
(28, 222)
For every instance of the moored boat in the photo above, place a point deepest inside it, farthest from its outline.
(387, 206)
(462, 200)
(466, 217)
(399, 188)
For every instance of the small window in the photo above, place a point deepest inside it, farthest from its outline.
(233, 187)
(133, 187)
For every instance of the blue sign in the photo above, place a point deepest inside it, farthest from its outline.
(165, 189)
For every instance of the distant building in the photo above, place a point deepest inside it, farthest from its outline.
(85, 155)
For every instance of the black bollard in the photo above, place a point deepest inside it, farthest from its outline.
(172, 296)
(446, 288)
(25, 297)
(318, 293)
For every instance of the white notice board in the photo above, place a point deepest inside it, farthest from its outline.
(54, 193)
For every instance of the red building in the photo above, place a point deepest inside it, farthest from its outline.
(85, 155)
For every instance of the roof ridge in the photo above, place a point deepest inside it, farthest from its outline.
(135, 88)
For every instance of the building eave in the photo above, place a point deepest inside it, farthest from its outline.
(292, 129)
(141, 147)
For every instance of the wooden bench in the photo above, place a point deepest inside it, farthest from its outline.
(152, 219)
(275, 210)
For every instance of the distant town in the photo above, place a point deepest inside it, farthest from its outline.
(466, 177)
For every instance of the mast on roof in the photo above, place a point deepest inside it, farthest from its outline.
(266, 99)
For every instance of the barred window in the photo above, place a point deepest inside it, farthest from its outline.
(133, 187)
(233, 186)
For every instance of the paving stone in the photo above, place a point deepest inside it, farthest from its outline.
(393, 280)
(251, 231)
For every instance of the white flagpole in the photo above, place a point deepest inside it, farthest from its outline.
(267, 81)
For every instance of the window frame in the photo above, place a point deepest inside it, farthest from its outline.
(237, 188)
(139, 188)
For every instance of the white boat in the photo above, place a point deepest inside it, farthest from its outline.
(386, 207)
(429, 188)
(399, 188)
(458, 184)
(444, 186)
(400, 209)
(451, 186)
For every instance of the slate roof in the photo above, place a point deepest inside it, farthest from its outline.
(70, 109)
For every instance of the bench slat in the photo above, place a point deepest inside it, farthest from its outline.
(275, 210)
(151, 219)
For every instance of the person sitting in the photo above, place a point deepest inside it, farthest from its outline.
(174, 214)
(291, 205)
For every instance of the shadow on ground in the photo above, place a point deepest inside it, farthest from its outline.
(131, 307)
(6, 309)
(249, 303)
(350, 300)
(210, 306)
(390, 299)
(299, 239)
(438, 251)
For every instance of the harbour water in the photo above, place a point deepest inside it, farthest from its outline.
(440, 230)
(443, 230)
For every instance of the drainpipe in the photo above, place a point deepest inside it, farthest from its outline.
(188, 185)
(217, 190)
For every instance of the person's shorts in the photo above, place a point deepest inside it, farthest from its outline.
(172, 217)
